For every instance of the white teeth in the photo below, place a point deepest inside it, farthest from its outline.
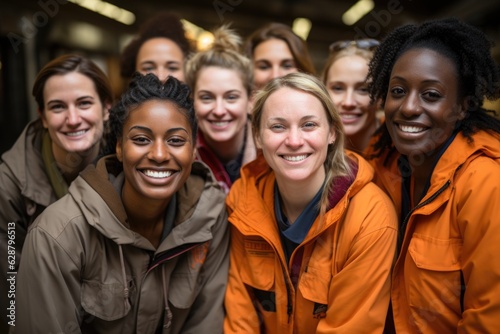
(221, 123)
(156, 174)
(294, 157)
(349, 116)
(77, 133)
(411, 129)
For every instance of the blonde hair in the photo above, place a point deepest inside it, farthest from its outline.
(225, 52)
(351, 50)
(336, 162)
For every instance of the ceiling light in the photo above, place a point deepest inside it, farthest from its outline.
(107, 9)
(302, 26)
(203, 38)
(357, 11)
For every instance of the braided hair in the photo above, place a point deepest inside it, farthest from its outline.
(144, 88)
(469, 50)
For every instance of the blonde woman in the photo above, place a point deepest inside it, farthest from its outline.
(221, 82)
(312, 238)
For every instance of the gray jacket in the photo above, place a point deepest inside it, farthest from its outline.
(25, 191)
(84, 271)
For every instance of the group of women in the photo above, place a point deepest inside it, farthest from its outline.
(231, 190)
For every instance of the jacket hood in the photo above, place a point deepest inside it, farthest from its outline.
(26, 151)
(193, 220)
(257, 182)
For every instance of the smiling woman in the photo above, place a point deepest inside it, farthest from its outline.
(307, 223)
(146, 228)
(73, 99)
(438, 159)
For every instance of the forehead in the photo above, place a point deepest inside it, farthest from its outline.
(219, 78)
(159, 46)
(425, 64)
(274, 47)
(287, 103)
(161, 114)
(72, 82)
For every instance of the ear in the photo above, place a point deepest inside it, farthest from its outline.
(250, 104)
(119, 150)
(195, 152)
(462, 113)
(107, 106)
(42, 117)
(332, 136)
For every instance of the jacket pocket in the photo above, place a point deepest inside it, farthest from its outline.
(433, 274)
(258, 265)
(183, 289)
(314, 285)
(105, 301)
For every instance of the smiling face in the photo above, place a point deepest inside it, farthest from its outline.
(349, 92)
(423, 103)
(294, 136)
(221, 103)
(162, 57)
(156, 151)
(74, 115)
(272, 59)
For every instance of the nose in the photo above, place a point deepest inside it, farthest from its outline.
(73, 118)
(348, 99)
(219, 107)
(294, 138)
(276, 72)
(410, 106)
(162, 74)
(159, 151)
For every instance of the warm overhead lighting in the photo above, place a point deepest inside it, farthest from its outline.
(106, 9)
(202, 37)
(357, 11)
(302, 26)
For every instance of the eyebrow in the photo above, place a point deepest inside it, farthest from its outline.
(148, 130)
(304, 118)
(78, 99)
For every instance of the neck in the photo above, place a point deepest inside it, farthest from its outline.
(145, 217)
(228, 150)
(359, 141)
(72, 163)
(295, 197)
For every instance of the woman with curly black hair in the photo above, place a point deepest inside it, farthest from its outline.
(438, 158)
(140, 243)
(161, 47)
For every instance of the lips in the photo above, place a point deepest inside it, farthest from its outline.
(219, 123)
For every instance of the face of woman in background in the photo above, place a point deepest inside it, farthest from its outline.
(73, 114)
(272, 59)
(221, 103)
(349, 92)
(294, 136)
(156, 150)
(162, 57)
(423, 103)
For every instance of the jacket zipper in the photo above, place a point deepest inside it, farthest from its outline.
(402, 230)
(163, 257)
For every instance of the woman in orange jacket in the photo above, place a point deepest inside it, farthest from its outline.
(312, 238)
(439, 160)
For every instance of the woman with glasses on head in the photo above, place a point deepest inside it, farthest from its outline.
(344, 75)
(312, 238)
(275, 51)
(438, 158)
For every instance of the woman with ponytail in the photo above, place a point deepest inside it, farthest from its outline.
(221, 82)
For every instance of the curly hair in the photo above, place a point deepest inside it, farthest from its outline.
(144, 88)
(165, 24)
(469, 50)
